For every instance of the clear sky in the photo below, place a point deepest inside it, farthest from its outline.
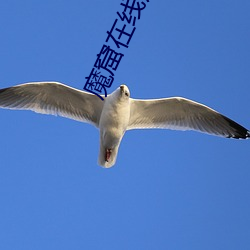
(168, 189)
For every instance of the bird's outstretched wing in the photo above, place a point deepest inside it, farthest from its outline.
(182, 114)
(53, 98)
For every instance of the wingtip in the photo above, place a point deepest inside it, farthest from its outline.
(248, 134)
(3, 90)
(239, 131)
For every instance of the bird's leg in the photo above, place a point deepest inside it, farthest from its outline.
(108, 154)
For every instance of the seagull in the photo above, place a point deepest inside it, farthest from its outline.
(118, 113)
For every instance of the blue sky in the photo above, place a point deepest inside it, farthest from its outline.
(169, 189)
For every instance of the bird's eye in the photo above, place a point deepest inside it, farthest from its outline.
(126, 93)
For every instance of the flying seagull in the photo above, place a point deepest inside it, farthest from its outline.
(118, 113)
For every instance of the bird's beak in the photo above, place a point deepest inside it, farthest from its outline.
(122, 88)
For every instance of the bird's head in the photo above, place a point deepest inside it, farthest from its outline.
(121, 94)
(124, 91)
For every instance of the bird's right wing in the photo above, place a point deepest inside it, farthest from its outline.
(182, 114)
(53, 98)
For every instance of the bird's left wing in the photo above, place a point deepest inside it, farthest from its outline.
(182, 114)
(53, 98)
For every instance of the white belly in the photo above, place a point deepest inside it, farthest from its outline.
(113, 122)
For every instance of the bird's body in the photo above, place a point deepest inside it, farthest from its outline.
(113, 124)
(118, 113)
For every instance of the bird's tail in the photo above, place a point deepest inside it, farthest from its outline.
(102, 159)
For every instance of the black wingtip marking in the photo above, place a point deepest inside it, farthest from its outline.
(239, 131)
(248, 134)
(3, 90)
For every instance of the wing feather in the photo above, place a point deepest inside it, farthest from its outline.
(55, 99)
(182, 114)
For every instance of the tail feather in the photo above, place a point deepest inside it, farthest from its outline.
(101, 159)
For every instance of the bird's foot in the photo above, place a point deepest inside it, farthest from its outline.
(108, 154)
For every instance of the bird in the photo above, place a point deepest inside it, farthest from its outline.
(118, 113)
